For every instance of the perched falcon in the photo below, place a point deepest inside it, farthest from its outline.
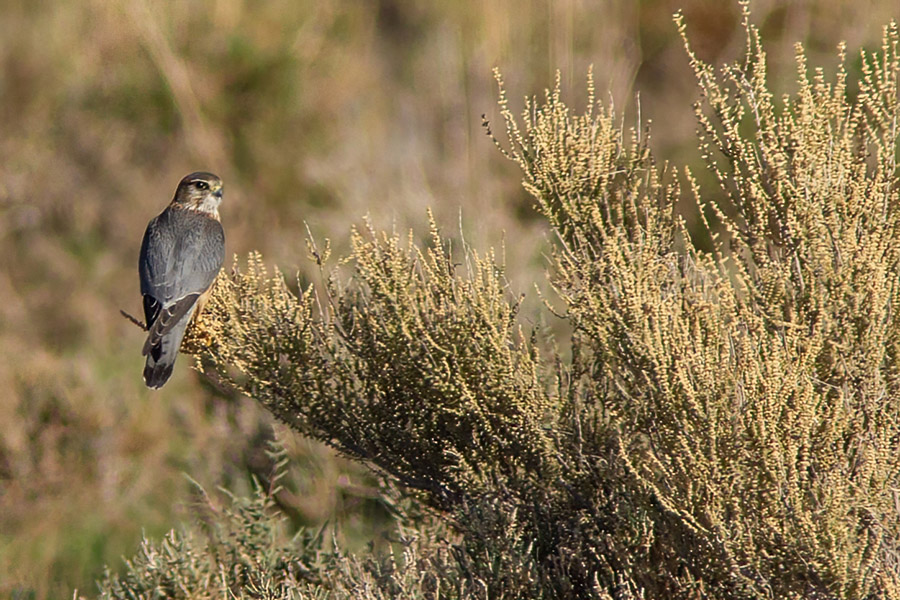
(182, 252)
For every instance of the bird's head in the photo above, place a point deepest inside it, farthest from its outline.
(200, 191)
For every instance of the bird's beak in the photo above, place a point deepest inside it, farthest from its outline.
(218, 193)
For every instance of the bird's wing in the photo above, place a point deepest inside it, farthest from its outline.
(167, 318)
(181, 255)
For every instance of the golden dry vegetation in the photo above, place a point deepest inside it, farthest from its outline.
(314, 113)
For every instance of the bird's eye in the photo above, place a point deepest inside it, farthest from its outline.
(201, 185)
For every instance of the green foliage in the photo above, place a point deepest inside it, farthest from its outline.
(242, 550)
(724, 428)
(242, 553)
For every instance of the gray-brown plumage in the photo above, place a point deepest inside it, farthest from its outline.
(182, 252)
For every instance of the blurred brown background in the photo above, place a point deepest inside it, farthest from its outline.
(315, 112)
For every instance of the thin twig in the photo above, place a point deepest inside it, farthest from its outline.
(137, 322)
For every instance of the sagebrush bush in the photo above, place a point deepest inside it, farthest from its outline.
(722, 424)
(242, 550)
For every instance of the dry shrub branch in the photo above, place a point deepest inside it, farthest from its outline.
(417, 365)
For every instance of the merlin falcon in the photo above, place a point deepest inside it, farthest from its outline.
(182, 252)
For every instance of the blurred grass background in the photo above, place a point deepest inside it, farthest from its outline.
(312, 111)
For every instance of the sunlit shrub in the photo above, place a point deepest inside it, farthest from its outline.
(722, 424)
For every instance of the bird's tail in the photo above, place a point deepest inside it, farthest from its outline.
(162, 355)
